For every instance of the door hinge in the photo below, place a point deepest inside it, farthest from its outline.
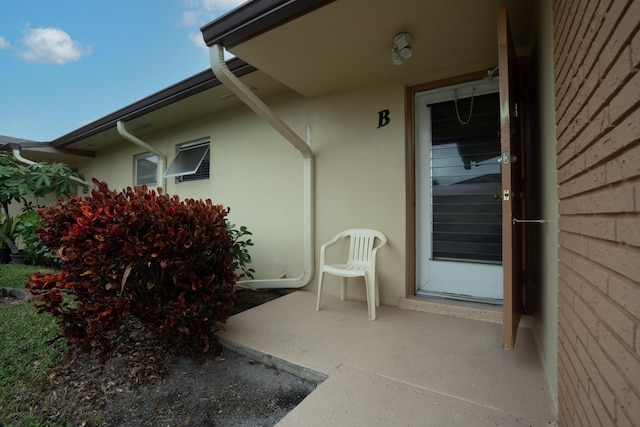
(515, 110)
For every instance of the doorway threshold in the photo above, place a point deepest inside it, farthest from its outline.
(464, 309)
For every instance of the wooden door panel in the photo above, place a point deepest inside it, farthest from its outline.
(512, 176)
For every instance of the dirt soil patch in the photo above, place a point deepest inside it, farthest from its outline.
(141, 386)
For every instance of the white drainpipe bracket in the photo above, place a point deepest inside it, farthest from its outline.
(222, 72)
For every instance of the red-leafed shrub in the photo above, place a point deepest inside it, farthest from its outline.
(168, 263)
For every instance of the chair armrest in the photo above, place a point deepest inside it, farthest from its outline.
(327, 245)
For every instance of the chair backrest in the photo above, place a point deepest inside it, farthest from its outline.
(362, 245)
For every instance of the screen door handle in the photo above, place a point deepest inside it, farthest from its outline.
(528, 221)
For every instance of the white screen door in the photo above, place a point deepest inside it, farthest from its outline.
(458, 189)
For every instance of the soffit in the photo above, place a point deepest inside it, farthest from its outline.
(347, 43)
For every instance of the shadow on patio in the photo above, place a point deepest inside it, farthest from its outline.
(406, 368)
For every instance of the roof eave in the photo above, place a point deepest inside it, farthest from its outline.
(254, 18)
(181, 90)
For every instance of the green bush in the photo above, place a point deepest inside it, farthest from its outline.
(168, 263)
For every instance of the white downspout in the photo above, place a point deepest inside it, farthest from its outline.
(222, 72)
(162, 159)
(18, 157)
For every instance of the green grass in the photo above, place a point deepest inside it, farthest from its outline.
(25, 358)
(16, 275)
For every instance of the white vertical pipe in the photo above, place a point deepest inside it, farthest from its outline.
(222, 72)
(162, 159)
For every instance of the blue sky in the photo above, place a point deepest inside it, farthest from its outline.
(64, 63)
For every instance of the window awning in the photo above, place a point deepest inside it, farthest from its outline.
(187, 160)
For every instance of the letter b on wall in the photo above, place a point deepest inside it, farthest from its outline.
(383, 118)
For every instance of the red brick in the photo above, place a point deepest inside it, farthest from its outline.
(611, 82)
(586, 30)
(628, 230)
(635, 50)
(592, 179)
(608, 371)
(630, 404)
(597, 384)
(624, 29)
(576, 166)
(600, 33)
(568, 334)
(625, 166)
(587, 317)
(625, 359)
(575, 243)
(607, 27)
(571, 225)
(626, 99)
(582, 362)
(602, 228)
(571, 282)
(596, 128)
(589, 416)
(604, 416)
(573, 206)
(622, 135)
(621, 418)
(618, 199)
(620, 260)
(565, 154)
(627, 295)
(568, 204)
(565, 257)
(597, 276)
(616, 319)
(566, 372)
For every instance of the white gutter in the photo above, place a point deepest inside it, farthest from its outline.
(162, 159)
(222, 72)
(18, 157)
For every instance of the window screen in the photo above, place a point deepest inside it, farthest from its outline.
(146, 169)
(467, 215)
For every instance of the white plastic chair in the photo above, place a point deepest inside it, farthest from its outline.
(360, 263)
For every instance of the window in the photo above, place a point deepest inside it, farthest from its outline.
(146, 169)
(190, 163)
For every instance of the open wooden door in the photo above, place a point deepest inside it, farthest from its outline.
(512, 178)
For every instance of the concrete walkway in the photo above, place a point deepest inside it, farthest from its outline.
(407, 368)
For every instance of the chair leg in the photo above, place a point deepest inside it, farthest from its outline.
(343, 288)
(320, 278)
(371, 297)
(375, 280)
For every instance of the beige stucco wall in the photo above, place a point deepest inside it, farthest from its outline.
(546, 313)
(359, 176)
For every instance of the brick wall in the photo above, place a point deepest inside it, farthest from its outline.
(597, 87)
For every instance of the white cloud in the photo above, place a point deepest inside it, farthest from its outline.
(3, 43)
(51, 45)
(214, 5)
(85, 122)
(190, 18)
(199, 12)
(198, 41)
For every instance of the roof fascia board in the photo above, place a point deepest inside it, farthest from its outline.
(254, 18)
(181, 90)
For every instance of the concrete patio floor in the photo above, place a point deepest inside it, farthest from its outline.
(406, 368)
